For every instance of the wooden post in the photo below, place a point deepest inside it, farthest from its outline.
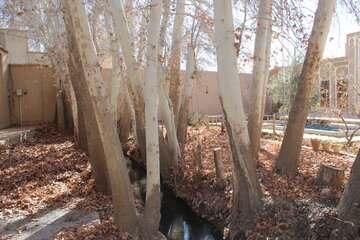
(222, 123)
(218, 163)
(330, 176)
(273, 122)
(197, 155)
(206, 120)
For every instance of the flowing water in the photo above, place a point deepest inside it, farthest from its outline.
(177, 222)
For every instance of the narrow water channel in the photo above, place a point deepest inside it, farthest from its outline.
(177, 222)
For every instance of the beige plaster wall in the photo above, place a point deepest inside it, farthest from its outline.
(4, 101)
(16, 43)
(205, 97)
(37, 105)
(38, 58)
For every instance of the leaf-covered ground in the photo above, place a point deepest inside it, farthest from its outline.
(46, 173)
(49, 172)
(295, 208)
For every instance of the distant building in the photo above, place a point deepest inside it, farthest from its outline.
(27, 83)
(28, 92)
(339, 78)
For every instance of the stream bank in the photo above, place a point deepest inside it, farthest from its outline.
(294, 206)
(178, 222)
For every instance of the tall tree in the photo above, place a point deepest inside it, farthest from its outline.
(288, 160)
(259, 75)
(186, 96)
(120, 100)
(349, 205)
(247, 196)
(190, 73)
(151, 218)
(174, 62)
(116, 68)
(136, 87)
(89, 124)
(169, 147)
(124, 208)
(267, 70)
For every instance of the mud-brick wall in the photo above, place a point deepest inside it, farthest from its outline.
(4, 103)
(205, 97)
(37, 104)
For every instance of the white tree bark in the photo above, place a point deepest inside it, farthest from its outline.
(259, 74)
(186, 97)
(116, 67)
(166, 108)
(247, 195)
(267, 70)
(136, 88)
(124, 208)
(74, 110)
(128, 4)
(151, 218)
(174, 62)
(142, 40)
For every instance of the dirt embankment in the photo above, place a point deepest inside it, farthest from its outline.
(294, 207)
(49, 173)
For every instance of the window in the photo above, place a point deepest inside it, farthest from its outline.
(324, 94)
(342, 94)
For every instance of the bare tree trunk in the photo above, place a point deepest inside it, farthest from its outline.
(247, 196)
(82, 131)
(78, 116)
(185, 100)
(120, 99)
(124, 208)
(136, 87)
(74, 111)
(126, 113)
(116, 67)
(169, 147)
(128, 4)
(151, 219)
(87, 119)
(288, 160)
(349, 205)
(68, 107)
(267, 72)
(174, 63)
(60, 110)
(258, 81)
(94, 26)
(140, 56)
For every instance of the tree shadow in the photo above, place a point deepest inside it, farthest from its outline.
(41, 184)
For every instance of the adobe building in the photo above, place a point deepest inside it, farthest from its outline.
(28, 85)
(339, 78)
(4, 73)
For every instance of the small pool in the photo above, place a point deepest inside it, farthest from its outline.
(325, 127)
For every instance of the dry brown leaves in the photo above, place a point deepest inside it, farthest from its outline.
(287, 198)
(49, 172)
